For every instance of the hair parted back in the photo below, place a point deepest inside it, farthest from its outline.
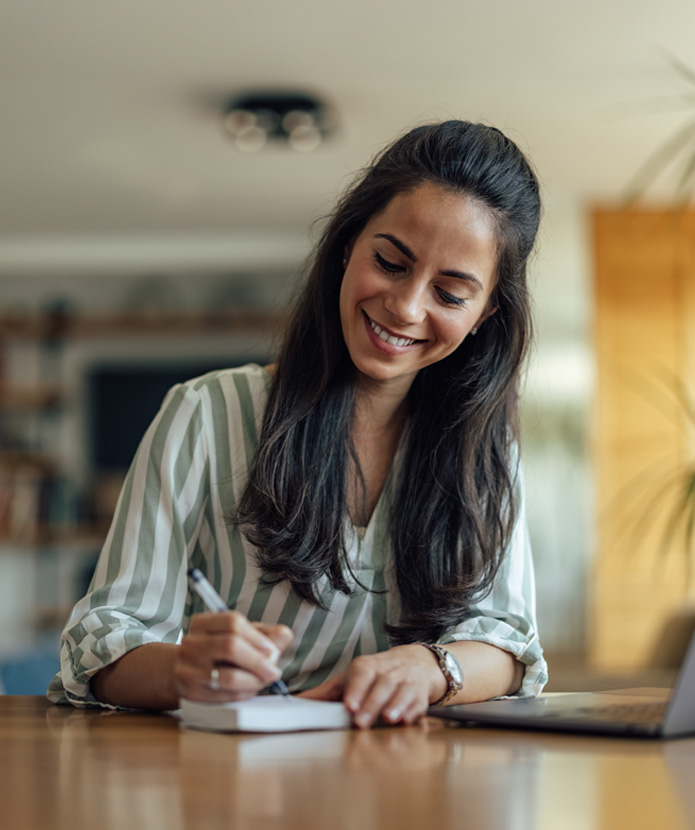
(454, 504)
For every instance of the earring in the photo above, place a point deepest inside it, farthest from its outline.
(474, 330)
(344, 262)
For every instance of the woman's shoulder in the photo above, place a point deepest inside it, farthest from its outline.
(235, 396)
(250, 379)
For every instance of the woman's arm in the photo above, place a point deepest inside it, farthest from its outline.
(136, 597)
(399, 685)
(488, 671)
(141, 679)
(497, 646)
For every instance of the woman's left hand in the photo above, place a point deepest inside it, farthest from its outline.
(397, 685)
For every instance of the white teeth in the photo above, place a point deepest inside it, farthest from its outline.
(389, 338)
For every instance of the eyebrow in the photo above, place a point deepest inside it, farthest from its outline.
(406, 251)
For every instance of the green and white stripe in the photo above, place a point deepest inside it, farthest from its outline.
(188, 474)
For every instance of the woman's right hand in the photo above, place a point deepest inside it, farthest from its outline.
(245, 655)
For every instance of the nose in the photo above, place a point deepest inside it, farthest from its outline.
(405, 302)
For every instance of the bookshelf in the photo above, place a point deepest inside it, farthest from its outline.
(39, 504)
(54, 509)
(52, 326)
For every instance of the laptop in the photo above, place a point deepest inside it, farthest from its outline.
(640, 712)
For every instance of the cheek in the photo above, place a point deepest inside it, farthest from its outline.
(347, 303)
(356, 287)
(454, 332)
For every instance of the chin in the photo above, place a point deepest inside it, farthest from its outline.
(384, 374)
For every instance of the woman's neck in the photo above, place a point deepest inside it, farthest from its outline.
(381, 407)
(377, 426)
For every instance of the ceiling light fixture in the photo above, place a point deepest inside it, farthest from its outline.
(299, 120)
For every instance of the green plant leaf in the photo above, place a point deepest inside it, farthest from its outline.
(651, 390)
(640, 501)
(679, 66)
(655, 163)
(669, 481)
(690, 534)
(687, 176)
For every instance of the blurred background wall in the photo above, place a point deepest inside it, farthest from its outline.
(139, 245)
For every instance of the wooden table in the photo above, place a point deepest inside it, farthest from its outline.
(66, 769)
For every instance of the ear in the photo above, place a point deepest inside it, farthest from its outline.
(489, 311)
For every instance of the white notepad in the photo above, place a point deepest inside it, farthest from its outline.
(266, 713)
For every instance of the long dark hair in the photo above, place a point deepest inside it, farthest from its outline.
(454, 505)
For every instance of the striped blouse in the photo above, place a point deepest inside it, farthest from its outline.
(188, 474)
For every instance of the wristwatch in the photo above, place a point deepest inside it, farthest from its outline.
(451, 669)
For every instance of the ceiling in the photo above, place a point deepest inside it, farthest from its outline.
(110, 110)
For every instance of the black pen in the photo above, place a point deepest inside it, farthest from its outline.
(214, 602)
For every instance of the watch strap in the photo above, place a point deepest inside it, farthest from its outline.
(444, 656)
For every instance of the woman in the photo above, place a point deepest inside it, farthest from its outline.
(358, 504)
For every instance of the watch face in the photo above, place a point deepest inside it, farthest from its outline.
(454, 669)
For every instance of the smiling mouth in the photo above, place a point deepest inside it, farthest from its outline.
(387, 337)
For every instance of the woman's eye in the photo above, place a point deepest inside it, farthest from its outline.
(449, 299)
(385, 265)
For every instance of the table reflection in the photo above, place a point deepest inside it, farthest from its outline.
(418, 776)
(107, 776)
(64, 768)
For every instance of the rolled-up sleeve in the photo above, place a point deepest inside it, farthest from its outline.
(506, 617)
(138, 593)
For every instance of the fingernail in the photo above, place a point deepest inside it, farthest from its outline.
(271, 673)
(271, 650)
(363, 720)
(394, 714)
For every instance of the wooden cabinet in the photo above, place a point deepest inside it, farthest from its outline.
(643, 440)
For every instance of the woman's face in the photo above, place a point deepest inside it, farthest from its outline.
(418, 279)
